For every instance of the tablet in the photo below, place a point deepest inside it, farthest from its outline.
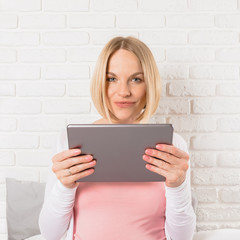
(118, 149)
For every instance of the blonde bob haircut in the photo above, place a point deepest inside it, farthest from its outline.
(150, 71)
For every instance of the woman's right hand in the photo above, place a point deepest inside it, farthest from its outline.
(69, 167)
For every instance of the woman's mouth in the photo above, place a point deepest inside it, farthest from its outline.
(124, 104)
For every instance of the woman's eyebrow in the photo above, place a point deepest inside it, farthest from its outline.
(134, 74)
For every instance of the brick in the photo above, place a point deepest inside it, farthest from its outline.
(2, 192)
(66, 5)
(190, 21)
(20, 173)
(44, 172)
(42, 21)
(173, 71)
(228, 89)
(91, 21)
(19, 72)
(217, 105)
(202, 159)
(221, 142)
(164, 37)
(114, 6)
(83, 119)
(3, 226)
(8, 55)
(30, 158)
(38, 89)
(7, 158)
(2, 213)
(228, 20)
(161, 5)
(214, 72)
(193, 124)
(140, 21)
(190, 55)
(228, 124)
(206, 195)
(213, 37)
(8, 124)
(229, 213)
(67, 106)
(48, 141)
(23, 5)
(20, 106)
(102, 37)
(81, 89)
(216, 176)
(229, 159)
(66, 72)
(228, 55)
(19, 38)
(42, 55)
(65, 38)
(41, 124)
(230, 195)
(18, 141)
(173, 106)
(7, 89)
(191, 89)
(213, 5)
(84, 54)
(8, 21)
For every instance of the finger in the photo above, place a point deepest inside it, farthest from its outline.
(157, 162)
(66, 154)
(82, 167)
(73, 178)
(173, 150)
(157, 170)
(75, 160)
(167, 157)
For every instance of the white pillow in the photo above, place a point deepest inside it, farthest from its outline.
(219, 234)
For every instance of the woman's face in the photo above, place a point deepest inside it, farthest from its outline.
(126, 89)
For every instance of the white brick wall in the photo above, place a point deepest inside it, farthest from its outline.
(48, 49)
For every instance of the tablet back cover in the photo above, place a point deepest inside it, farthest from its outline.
(118, 149)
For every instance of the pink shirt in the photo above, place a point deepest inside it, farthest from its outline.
(120, 211)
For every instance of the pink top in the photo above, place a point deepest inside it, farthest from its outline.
(120, 211)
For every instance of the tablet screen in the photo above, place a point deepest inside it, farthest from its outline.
(118, 149)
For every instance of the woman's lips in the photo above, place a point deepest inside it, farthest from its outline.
(124, 104)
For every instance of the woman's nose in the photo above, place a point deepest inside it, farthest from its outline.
(123, 90)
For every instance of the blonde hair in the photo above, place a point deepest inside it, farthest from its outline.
(150, 71)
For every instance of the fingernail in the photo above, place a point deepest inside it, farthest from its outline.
(146, 157)
(89, 157)
(77, 151)
(148, 151)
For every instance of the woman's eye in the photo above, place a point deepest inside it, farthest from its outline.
(111, 79)
(137, 80)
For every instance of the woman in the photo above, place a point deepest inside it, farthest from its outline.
(125, 89)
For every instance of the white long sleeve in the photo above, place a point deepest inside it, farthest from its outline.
(57, 213)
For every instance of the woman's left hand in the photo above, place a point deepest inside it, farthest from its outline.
(168, 161)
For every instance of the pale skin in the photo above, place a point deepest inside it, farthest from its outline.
(125, 82)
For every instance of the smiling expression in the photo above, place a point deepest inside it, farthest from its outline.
(126, 88)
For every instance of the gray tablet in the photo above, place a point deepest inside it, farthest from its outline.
(118, 149)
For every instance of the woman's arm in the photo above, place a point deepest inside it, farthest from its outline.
(180, 221)
(58, 201)
(66, 168)
(172, 161)
(57, 211)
